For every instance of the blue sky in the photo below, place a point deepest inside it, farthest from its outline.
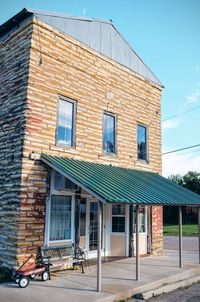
(166, 35)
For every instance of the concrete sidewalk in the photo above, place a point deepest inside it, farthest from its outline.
(118, 280)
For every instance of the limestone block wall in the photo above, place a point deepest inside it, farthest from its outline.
(57, 65)
(61, 66)
(14, 61)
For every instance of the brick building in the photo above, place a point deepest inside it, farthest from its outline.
(73, 88)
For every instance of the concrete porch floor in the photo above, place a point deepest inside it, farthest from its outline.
(118, 280)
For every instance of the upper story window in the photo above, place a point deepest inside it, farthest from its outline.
(142, 142)
(65, 122)
(109, 133)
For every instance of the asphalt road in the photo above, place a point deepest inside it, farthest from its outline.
(190, 294)
(189, 243)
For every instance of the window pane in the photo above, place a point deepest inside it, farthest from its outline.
(109, 133)
(142, 142)
(93, 227)
(60, 218)
(82, 217)
(58, 181)
(65, 123)
(118, 210)
(141, 218)
(118, 224)
(118, 218)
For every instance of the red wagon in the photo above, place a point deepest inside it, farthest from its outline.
(40, 267)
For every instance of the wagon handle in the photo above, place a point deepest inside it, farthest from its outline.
(25, 262)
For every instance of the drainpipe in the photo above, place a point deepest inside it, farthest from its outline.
(180, 236)
(137, 245)
(99, 247)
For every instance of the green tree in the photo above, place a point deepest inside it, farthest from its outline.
(191, 181)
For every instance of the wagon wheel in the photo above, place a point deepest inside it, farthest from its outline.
(17, 278)
(23, 282)
(45, 276)
(32, 276)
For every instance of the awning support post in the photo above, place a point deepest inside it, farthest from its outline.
(199, 231)
(180, 237)
(99, 247)
(137, 245)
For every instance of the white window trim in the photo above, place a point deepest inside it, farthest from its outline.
(47, 216)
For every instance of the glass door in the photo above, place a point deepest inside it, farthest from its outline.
(93, 226)
(142, 229)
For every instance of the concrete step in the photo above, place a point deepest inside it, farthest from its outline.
(165, 285)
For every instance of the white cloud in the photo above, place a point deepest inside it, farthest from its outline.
(65, 121)
(84, 11)
(194, 97)
(62, 142)
(180, 164)
(170, 124)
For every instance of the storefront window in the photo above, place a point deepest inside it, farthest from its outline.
(60, 218)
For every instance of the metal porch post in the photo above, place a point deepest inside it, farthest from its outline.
(199, 231)
(137, 245)
(99, 247)
(180, 236)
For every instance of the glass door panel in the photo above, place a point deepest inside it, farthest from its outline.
(93, 226)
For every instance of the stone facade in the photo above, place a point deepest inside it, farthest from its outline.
(54, 65)
(14, 64)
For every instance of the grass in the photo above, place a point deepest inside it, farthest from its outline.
(188, 230)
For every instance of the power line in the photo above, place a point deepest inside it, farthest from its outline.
(178, 150)
(189, 152)
(181, 113)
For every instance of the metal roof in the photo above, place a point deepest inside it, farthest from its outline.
(115, 184)
(97, 34)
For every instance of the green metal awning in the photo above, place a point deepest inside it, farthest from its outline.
(114, 184)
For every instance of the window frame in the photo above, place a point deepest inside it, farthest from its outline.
(125, 220)
(146, 161)
(74, 114)
(64, 240)
(64, 190)
(115, 133)
(48, 242)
